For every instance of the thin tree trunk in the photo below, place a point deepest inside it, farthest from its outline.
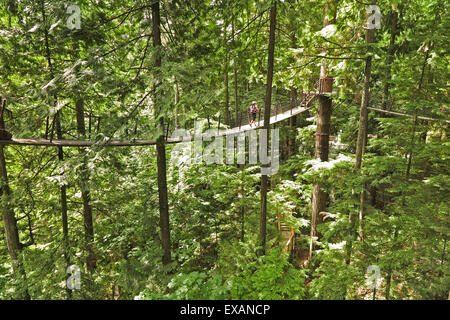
(225, 70)
(227, 94)
(319, 197)
(235, 79)
(9, 220)
(91, 260)
(291, 147)
(242, 203)
(177, 100)
(160, 146)
(363, 124)
(360, 148)
(293, 97)
(63, 188)
(362, 131)
(267, 106)
(242, 223)
(390, 60)
(387, 292)
(419, 89)
(236, 102)
(11, 231)
(63, 202)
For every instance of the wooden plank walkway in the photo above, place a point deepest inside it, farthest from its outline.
(406, 115)
(274, 119)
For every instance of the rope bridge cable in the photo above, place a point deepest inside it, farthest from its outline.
(396, 113)
(286, 113)
(406, 115)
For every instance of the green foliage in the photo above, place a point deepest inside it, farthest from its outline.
(214, 209)
(271, 277)
(193, 286)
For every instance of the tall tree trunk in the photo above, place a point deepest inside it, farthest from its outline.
(419, 89)
(267, 106)
(57, 120)
(63, 188)
(363, 123)
(227, 94)
(9, 219)
(177, 100)
(387, 292)
(242, 203)
(63, 202)
(235, 79)
(362, 131)
(236, 102)
(293, 96)
(225, 71)
(11, 231)
(360, 148)
(160, 144)
(390, 60)
(319, 197)
(91, 260)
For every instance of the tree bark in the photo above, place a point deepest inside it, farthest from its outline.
(413, 135)
(160, 145)
(91, 260)
(291, 145)
(390, 60)
(319, 197)
(63, 202)
(177, 100)
(227, 94)
(11, 231)
(242, 203)
(387, 292)
(363, 124)
(360, 148)
(267, 106)
(362, 131)
(236, 102)
(225, 70)
(293, 98)
(62, 189)
(9, 220)
(235, 79)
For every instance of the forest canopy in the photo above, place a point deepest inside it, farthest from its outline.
(103, 196)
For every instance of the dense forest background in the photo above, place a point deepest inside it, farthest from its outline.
(141, 226)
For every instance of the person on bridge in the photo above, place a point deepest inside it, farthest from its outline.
(252, 110)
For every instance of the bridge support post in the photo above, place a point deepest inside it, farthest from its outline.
(240, 120)
(218, 126)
